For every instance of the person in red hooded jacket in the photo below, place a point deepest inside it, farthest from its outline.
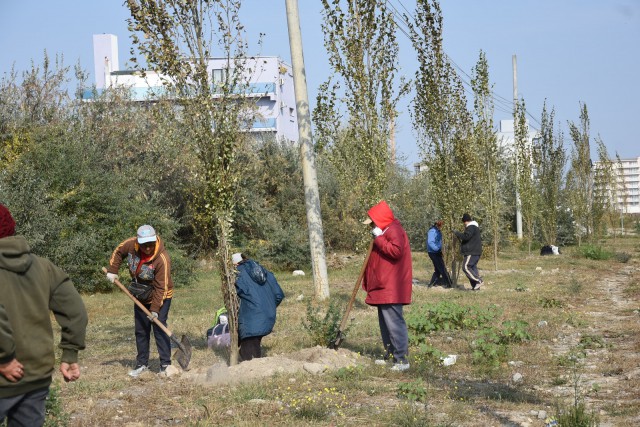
(388, 282)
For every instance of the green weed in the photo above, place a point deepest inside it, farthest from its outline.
(514, 332)
(575, 287)
(446, 316)
(488, 348)
(550, 303)
(413, 390)
(591, 342)
(576, 416)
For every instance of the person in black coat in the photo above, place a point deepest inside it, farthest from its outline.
(471, 248)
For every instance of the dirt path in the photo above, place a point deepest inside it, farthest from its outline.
(608, 377)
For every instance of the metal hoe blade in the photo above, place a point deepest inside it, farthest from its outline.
(183, 353)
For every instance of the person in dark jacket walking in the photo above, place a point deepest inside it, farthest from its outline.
(259, 294)
(30, 289)
(149, 264)
(471, 248)
(388, 282)
(434, 250)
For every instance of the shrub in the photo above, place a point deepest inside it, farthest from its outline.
(488, 348)
(79, 210)
(323, 328)
(595, 252)
(623, 257)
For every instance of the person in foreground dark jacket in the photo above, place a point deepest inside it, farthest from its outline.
(471, 248)
(30, 289)
(259, 294)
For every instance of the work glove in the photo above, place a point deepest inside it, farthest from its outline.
(376, 231)
(154, 315)
(112, 277)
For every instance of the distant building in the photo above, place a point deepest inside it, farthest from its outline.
(506, 136)
(270, 83)
(628, 185)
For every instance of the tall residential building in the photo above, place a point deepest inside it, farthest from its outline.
(270, 84)
(628, 183)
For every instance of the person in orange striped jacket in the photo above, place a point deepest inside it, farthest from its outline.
(149, 265)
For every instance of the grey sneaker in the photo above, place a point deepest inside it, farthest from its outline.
(135, 373)
(478, 285)
(400, 367)
(381, 361)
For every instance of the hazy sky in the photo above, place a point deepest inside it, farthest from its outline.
(568, 51)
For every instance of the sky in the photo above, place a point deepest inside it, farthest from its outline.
(568, 52)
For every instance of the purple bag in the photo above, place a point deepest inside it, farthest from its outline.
(220, 337)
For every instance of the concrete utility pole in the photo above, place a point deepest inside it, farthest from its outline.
(312, 195)
(515, 106)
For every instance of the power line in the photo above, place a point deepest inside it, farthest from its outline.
(500, 103)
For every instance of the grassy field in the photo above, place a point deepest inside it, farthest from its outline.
(546, 333)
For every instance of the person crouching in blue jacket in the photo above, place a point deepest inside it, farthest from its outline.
(259, 294)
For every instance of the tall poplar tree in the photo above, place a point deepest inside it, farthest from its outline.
(357, 104)
(605, 191)
(443, 124)
(527, 189)
(177, 39)
(549, 159)
(580, 178)
(486, 143)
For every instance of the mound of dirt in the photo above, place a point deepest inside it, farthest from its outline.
(314, 361)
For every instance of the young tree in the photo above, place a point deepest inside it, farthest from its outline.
(605, 194)
(442, 123)
(529, 196)
(177, 38)
(363, 54)
(486, 142)
(549, 160)
(580, 178)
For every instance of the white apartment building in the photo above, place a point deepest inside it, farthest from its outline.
(628, 177)
(270, 83)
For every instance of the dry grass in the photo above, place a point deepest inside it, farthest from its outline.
(588, 306)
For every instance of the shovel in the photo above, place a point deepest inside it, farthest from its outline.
(335, 343)
(183, 353)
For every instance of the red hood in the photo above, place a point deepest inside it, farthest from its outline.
(381, 214)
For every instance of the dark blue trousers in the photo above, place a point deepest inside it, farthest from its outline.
(439, 269)
(393, 329)
(143, 335)
(25, 409)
